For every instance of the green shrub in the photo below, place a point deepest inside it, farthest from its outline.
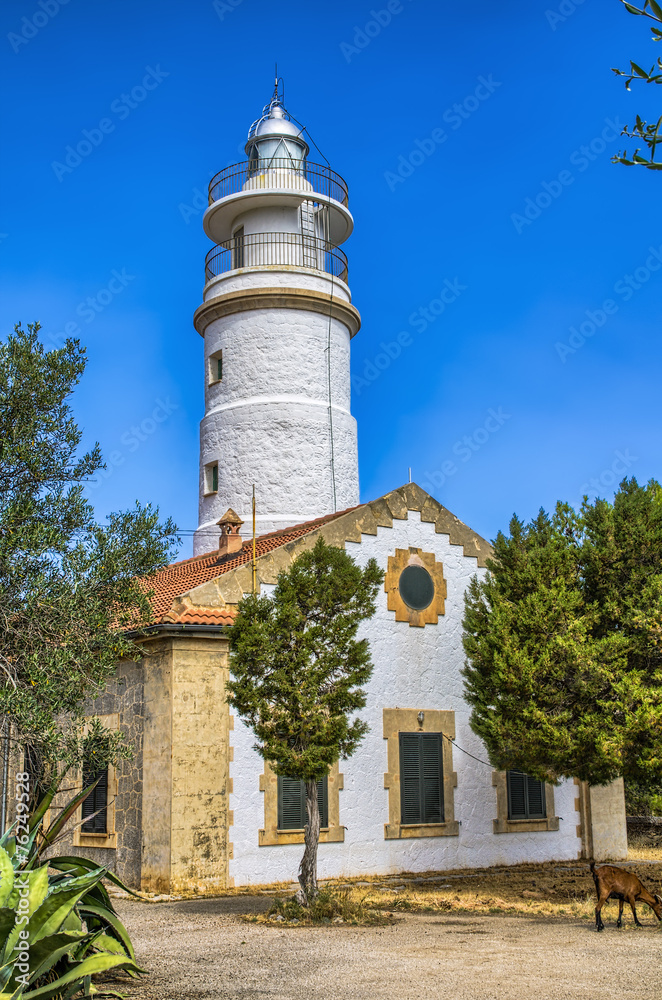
(643, 800)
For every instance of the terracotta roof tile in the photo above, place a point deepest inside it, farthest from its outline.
(210, 616)
(180, 577)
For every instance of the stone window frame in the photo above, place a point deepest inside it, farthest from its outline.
(403, 613)
(502, 824)
(271, 835)
(212, 369)
(84, 838)
(405, 720)
(208, 475)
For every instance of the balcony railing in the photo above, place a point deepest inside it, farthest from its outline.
(276, 250)
(295, 175)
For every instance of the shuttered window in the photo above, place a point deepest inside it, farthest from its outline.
(421, 778)
(526, 796)
(292, 803)
(96, 801)
(33, 766)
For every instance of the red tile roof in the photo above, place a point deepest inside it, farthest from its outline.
(180, 577)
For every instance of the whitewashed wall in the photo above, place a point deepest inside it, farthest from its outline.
(267, 421)
(413, 668)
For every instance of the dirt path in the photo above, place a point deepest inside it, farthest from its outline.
(203, 949)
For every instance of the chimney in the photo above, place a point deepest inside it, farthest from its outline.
(230, 540)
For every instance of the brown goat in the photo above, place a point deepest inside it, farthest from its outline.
(616, 883)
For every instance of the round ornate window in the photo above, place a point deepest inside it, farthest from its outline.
(416, 587)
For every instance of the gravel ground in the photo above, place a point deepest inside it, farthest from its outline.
(203, 949)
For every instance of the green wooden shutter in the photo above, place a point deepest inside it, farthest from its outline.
(95, 801)
(432, 778)
(411, 807)
(516, 794)
(536, 798)
(292, 803)
(421, 778)
(323, 801)
(219, 366)
(214, 478)
(34, 767)
(526, 796)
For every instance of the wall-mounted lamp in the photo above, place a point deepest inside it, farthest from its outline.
(420, 717)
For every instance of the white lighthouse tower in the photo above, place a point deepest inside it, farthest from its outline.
(277, 321)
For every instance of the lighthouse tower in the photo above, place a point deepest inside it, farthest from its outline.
(277, 321)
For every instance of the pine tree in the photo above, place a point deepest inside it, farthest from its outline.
(564, 642)
(298, 670)
(69, 588)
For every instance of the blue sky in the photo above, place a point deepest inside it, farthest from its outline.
(492, 415)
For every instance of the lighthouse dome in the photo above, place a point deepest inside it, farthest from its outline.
(275, 136)
(275, 124)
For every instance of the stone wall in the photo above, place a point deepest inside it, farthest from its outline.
(608, 823)
(185, 820)
(123, 696)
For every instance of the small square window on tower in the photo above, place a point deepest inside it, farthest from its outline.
(215, 367)
(211, 478)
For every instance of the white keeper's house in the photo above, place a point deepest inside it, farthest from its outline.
(197, 808)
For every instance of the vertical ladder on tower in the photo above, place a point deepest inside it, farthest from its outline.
(308, 241)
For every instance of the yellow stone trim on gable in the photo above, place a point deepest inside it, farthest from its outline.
(227, 589)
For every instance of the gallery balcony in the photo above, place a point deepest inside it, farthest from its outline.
(277, 183)
(278, 250)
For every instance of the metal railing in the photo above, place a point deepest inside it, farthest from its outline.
(297, 175)
(274, 250)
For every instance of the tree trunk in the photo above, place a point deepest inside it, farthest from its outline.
(308, 866)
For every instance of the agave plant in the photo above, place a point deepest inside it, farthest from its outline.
(58, 926)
